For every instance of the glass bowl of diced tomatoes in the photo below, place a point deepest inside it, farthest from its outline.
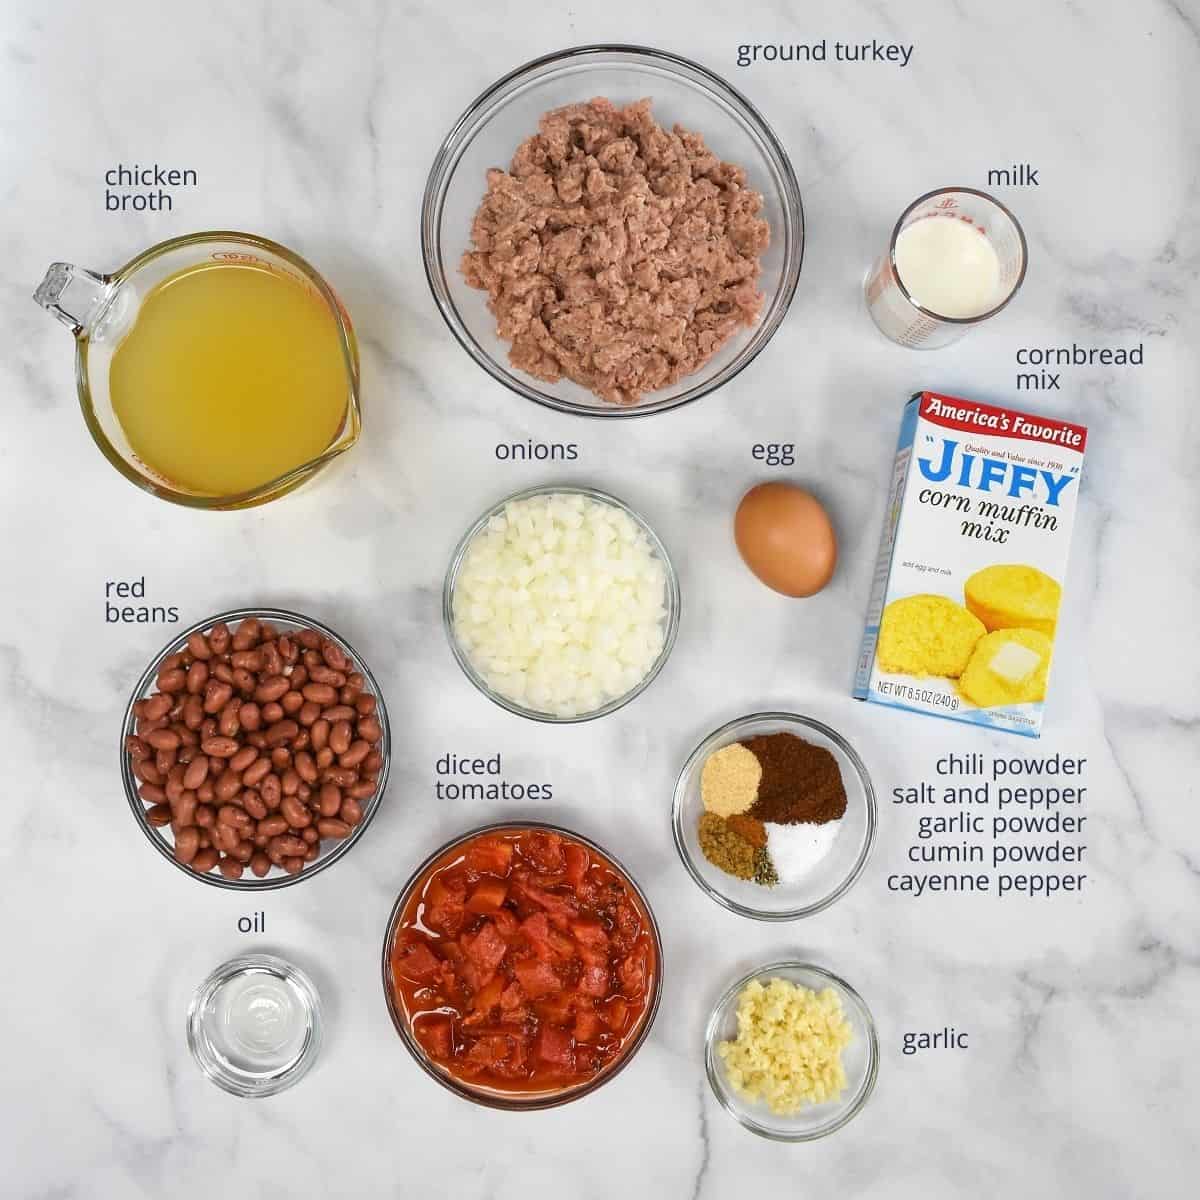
(522, 966)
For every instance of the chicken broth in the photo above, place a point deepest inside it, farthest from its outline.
(232, 376)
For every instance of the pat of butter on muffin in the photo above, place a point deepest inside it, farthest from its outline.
(1008, 666)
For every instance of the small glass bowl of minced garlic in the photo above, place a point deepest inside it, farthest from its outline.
(791, 1051)
(774, 816)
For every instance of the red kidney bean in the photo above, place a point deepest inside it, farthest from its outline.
(159, 815)
(330, 801)
(253, 803)
(206, 858)
(146, 770)
(294, 812)
(187, 844)
(355, 754)
(196, 773)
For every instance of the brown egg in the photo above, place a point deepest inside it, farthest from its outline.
(784, 536)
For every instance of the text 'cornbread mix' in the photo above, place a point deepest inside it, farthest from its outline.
(964, 605)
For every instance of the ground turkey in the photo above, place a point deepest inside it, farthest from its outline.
(616, 253)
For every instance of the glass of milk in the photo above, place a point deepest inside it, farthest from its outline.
(957, 256)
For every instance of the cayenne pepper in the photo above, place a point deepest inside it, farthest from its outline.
(800, 781)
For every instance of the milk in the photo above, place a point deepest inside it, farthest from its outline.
(948, 266)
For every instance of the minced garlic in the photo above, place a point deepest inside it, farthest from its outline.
(788, 1050)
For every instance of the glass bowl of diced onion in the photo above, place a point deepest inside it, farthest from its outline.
(599, 678)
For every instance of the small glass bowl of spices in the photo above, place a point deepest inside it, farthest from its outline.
(791, 1052)
(774, 816)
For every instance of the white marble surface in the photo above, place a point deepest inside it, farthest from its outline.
(315, 123)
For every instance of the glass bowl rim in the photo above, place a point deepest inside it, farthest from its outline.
(221, 975)
(929, 312)
(870, 1032)
(674, 603)
(478, 112)
(499, 1100)
(136, 804)
(272, 489)
(711, 742)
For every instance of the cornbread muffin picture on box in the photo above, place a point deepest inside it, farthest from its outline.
(927, 635)
(967, 588)
(1013, 596)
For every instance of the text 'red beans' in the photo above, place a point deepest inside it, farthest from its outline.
(255, 748)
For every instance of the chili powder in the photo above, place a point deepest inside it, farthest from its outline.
(800, 781)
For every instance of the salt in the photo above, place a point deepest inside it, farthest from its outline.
(796, 849)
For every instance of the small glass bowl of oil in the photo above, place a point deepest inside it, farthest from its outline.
(254, 1025)
(217, 370)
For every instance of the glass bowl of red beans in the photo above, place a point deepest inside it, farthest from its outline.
(522, 966)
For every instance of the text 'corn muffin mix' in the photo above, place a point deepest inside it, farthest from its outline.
(964, 605)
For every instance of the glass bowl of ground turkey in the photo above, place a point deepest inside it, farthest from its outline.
(774, 816)
(612, 231)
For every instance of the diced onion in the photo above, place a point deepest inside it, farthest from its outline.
(560, 603)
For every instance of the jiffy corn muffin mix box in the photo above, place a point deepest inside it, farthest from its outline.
(964, 604)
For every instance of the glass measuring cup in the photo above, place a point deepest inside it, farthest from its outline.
(101, 309)
(891, 302)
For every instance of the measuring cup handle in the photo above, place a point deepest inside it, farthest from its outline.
(74, 295)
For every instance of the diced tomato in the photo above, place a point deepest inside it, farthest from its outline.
(632, 974)
(434, 1033)
(560, 909)
(486, 999)
(543, 849)
(576, 858)
(588, 1025)
(512, 1001)
(536, 929)
(537, 978)
(488, 895)
(489, 1052)
(617, 1013)
(491, 856)
(506, 923)
(445, 903)
(593, 981)
(557, 1009)
(628, 926)
(554, 1046)
(592, 939)
(417, 962)
(485, 949)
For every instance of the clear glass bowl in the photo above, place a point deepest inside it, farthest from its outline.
(488, 134)
(860, 1059)
(234, 1025)
(493, 1097)
(672, 602)
(331, 850)
(831, 878)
